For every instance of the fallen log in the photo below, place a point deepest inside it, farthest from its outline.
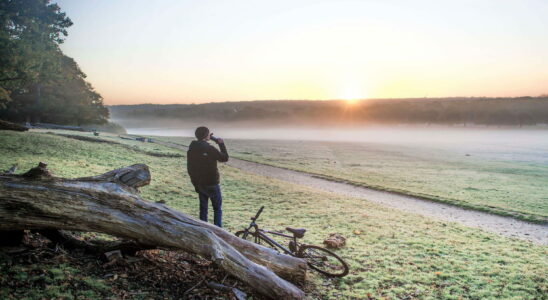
(5, 125)
(109, 203)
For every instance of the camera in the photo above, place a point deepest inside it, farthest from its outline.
(211, 137)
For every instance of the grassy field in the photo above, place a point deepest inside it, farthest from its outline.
(506, 187)
(393, 255)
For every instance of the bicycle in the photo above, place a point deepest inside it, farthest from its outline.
(318, 258)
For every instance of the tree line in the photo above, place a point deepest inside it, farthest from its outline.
(38, 83)
(447, 111)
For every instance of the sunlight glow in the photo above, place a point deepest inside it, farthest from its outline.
(352, 101)
(210, 51)
(352, 93)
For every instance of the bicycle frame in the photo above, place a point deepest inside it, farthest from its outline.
(260, 233)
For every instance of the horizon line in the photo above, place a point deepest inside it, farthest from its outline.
(327, 100)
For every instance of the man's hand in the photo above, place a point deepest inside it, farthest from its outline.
(220, 141)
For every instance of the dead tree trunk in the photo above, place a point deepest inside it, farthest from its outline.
(109, 203)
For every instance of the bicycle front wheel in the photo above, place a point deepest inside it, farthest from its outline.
(324, 261)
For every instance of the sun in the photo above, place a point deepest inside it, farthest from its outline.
(351, 94)
(351, 97)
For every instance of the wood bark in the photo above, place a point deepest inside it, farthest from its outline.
(109, 203)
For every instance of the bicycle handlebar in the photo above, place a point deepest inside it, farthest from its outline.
(258, 214)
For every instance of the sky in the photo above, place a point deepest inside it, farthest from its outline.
(208, 51)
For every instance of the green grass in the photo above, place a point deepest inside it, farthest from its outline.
(500, 186)
(145, 147)
(48, 281)
(396, 256)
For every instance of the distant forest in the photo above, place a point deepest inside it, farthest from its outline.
(444, 111)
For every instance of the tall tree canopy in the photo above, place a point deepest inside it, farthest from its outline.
(37, 81)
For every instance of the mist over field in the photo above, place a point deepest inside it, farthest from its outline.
(523, 144)
(506, 128)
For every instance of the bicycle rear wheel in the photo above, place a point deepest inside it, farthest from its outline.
(324, 261)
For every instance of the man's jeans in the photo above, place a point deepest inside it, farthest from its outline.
(212, 192)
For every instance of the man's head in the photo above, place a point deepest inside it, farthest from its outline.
(202, 133)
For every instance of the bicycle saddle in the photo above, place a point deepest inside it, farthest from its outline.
(298, 232)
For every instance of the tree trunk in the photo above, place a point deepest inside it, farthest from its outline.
(109, 203)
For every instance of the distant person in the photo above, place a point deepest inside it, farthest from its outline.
(202, 161)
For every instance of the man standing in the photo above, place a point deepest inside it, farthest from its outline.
(202, 161)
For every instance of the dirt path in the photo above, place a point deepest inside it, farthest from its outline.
(505, 226)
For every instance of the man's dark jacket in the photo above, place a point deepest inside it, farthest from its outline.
(202, 161)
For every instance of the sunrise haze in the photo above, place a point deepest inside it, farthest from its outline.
(204, 51)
